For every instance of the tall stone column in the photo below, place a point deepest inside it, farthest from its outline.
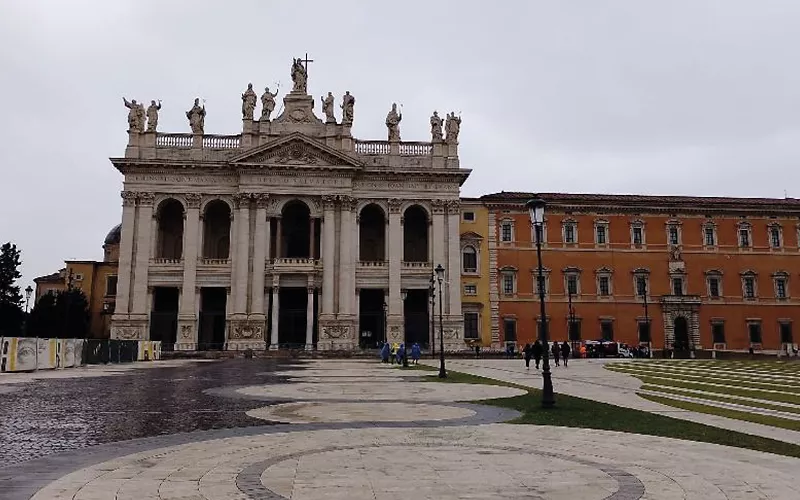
(260, 248)
(312, 237)
(328, 254)
(273, 338)
(125, 269)
(187, 315)
(145, 220)
(310, 316)
(242, 202)
(394, 318)
(346, 268)
(438, 235)
(454, 258)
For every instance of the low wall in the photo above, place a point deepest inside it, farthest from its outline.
(19, 354)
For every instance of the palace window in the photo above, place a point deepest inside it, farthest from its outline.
(754, 331)
(641, 282)
(469, 259)
(541, 285)
(637, 233)
(507, 231)
(673, 234)
(781, 280)
(644, 330)
(603, 286)
(785, 330)
(470, 289)
(749, 290)
(468, 216)
(607, 329)
(744, 235)
(572, 285)
(510, 329)
(714, 283)
(572, 280)
(775, 236)
(471, 325)
(601, 232)
(709, 234)
(677, 286)
(539, 326)
(574, 329)
(717, 332)
(508, 280)
(543, 234)
(570, 229)
(111, 286)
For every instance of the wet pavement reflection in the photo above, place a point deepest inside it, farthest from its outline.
(48, 416)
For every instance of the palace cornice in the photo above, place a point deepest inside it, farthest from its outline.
(648, 209)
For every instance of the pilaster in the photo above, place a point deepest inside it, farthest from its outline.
(187, 314)
(242, 204)
(346, 262)
(260, 246)
(142, 259)
(454, 259)
(273, 338)
(395, 241)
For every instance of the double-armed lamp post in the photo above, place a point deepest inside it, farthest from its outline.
(536, 208)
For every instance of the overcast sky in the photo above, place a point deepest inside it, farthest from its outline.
(654, 97)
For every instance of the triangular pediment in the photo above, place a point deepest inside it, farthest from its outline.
(470, 235)
(298, 150)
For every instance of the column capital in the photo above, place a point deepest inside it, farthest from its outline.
(262, 200)
(145, 199)
(347, 202)
(193, 200)
(242, 200)
(438, 206)
(128, 198)
(328, 202)
(453, 206)
(395, 205)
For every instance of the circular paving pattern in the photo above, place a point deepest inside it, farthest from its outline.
(303, 413)
(406, 391)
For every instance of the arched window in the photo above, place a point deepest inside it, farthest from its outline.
(296, 230)
(170, 230)
(216, 230)
(469, 259)
(415, 234)
(372, 234)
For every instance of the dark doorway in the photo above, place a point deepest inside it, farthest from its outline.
(217, 230)
(164, 316)
(170, 230)
(371, 318)
(415, 311)
(681, 332)
(292, 317)
(372, 234)
(415, 234)
(212, 318)
(296, 230)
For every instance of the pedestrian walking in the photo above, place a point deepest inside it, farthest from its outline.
(527, 353)
(537, 353)
(416, 352)
(385, 353)
(555, 350)
(401, 352)
(393, 352)
(565, 352)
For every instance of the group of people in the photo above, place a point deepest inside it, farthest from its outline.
(537, 349)
(397, 353)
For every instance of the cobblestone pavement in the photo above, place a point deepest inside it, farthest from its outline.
(422, 444)
(50, 414)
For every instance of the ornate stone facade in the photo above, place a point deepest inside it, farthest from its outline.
(269, 237)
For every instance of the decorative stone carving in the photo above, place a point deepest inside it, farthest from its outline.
(299, 76)
(248, 102)
(135, 115)
(241, 200)
(128, 198)
(267, 104)
(327, 108)
(192, 200)
(436, 127)
(438, 206)
(328, 202)
(348, 102)
(335, 332)
(347, 202)
(452, 127)
(186, 332)
(393, 120)
(395, 205)
(453, 206)
(152, 115)
(247, 330)
(145, 199)
(128, 333)
(451, 333)
(296, 153)
(197, 117)
(675, 254)
(262, 200)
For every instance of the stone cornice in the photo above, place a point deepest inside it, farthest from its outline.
(641, 210)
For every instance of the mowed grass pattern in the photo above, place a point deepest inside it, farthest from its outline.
(765, 392)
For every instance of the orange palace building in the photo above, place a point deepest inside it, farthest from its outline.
(718, 273)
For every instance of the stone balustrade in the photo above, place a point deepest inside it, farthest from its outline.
(372, 147)
(173, 140)
(370, 263)
(214, 262)
(295, 264)
(416, 265)
(416, 149)
(222, 141)
(167, 262)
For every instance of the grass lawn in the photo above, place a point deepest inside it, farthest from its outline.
(577, 412)
(724, 398)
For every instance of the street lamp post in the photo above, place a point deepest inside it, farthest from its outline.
(28, 292)
(432, 294)
(643, 292)
(439, 278)
(385, 322)
(404, 296)
(571, 313)
(536, 208)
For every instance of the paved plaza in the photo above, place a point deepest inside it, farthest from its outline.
(264, 429)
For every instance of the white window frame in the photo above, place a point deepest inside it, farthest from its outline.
(535, 280)
(566, 273)
(544, 234)
(506, 272)
(503, 222)
(680, 276)
(710, 224)
(744, 276)
(781, 276)
(641, 273)
(638, 224)
(604, 272)
(574, 225)
(477, 313)
(746, 228)
(464, 216)
(716, 275)
(755, 321)
(470, 294)
(606, 229)
(477, 259)
(674, 223)
(770, 228)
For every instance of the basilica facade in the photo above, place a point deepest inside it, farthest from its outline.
(292, 233)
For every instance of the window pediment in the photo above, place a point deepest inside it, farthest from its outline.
(603, 270)
(471, 236)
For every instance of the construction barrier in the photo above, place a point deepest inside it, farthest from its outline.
(19, 354)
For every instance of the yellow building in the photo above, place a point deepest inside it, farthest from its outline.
(475, 275)
(96, 279)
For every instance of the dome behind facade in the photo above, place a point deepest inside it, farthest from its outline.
(113, 236)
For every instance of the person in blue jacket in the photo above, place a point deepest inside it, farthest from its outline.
(401, 352)
(416, 352)
(385, 353)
